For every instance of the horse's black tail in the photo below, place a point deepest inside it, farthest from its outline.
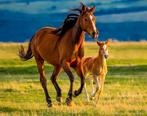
(25, 55)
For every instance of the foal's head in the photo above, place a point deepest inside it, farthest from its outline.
(88, 21)
(103, 50)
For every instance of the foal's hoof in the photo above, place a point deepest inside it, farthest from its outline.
(59, 100)
(68, 102)
(92, 98)
(75, 93)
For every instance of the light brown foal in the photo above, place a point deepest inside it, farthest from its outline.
(96, 69)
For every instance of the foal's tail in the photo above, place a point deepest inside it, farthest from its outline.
(25, 55)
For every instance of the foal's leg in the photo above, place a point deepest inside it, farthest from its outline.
(91, 82)
(93, 90)
(53, 79)
(87, 96)
(97, 87)
(40, 65)
(101, 82)
(66, 67)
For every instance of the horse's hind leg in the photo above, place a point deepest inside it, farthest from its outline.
(53, 79)
(40, 65)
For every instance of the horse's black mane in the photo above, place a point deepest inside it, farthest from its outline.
(69, 22)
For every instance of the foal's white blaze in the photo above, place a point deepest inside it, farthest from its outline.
(93, 25)
(105, 50)
(104, 47)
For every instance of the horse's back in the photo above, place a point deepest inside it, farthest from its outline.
(46, 30)
(45, 44)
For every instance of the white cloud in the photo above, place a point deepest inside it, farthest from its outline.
(115, 18)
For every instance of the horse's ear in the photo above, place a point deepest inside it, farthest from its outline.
(98, 43)
(92, 9)
(84, 8)
(108, 42)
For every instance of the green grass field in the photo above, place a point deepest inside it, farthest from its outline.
(125, 89)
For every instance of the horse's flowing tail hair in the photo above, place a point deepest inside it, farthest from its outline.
(25, 55)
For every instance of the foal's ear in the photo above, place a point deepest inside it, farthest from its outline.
(108, 42)
(91, 10)
(99, 43)
(84, 8)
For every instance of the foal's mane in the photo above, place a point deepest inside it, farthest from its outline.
(69, 22)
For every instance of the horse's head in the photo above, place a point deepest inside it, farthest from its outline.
(103, 50)
(88, 21)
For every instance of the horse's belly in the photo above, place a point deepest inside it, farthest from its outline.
(50, 56)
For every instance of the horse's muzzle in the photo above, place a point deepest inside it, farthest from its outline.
(95, 34)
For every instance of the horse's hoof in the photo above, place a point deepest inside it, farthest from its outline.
(59, 100)
(68, 102)
(75, 93)
(49, 102)
(50, 105)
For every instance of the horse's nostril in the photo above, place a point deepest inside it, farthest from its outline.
(93, 33)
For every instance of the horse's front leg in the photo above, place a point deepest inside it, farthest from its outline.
(66, 67)
(79, 70)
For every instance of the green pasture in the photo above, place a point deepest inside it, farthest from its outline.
(125, 89)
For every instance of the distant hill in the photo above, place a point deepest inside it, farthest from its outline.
(118, 19)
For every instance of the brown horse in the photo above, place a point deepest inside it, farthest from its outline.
(62, 48)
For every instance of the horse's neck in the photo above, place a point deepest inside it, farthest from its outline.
(77, 34)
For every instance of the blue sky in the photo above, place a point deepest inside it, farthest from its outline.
(34, 14)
